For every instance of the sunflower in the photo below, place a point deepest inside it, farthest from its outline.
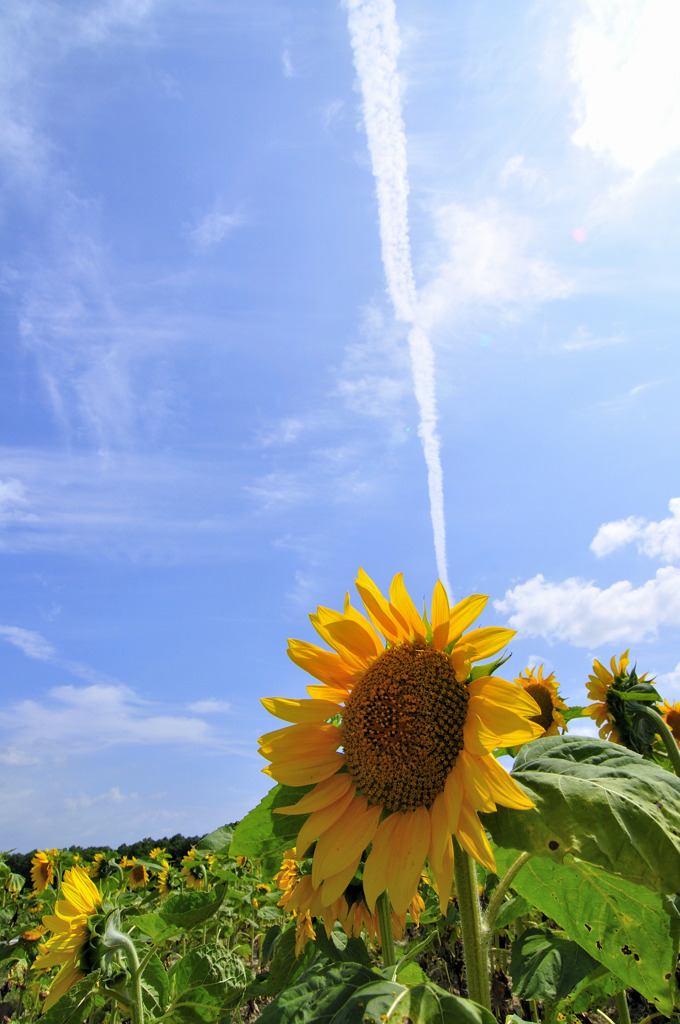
(42, 869)
(417, 735)
(544, 692)
(138, 876)
(69, 944)
(671, 716)
(157, 853)
(611, 712)
(193, 870)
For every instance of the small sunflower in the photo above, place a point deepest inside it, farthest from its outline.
(544, 691)
(417, 736)
(619, 719)
(137, 876)
(157, 853)
(42, 869)
(69, 945)
(671, 716)
(193, 869)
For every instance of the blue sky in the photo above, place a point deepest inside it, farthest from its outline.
(289, 288)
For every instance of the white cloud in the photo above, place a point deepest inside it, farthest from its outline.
(83, 802)
(211, 705)
(83, 719)
(581, 613)
(516, 168)
(279, 490)
(32, 644)
(624, 63)
(213, 227)
(287, 65)
(670, 680)
(486, 260)
(13, 758)
(582, 339)
(659, 540)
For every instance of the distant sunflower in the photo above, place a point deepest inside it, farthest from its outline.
(193, 870)
(417, 736)
(671, 716)
(138, 876)
(69, 945)
(544, 691)
(157, 853)
(42, 869)
(609, 710)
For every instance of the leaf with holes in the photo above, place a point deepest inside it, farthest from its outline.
(623, 926)
(600, 803)
(546, 965)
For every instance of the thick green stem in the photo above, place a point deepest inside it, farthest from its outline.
(128, 946)
(474, 946)
(385, 928)
(622, 1006)
(666, 735)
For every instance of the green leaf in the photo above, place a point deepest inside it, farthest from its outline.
(155, 927)
(204, 984)
(340, 947)
(285, 966)
(265, 836)
(217, 841)
(187, 909)
(411, 974)
(621, 925)
(155, 986)
(545, 965)
(593, 992)
(347, 993)
(598, 802)
(513, 908)
(271, 937)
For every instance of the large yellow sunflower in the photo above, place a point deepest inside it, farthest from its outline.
(416, 734)
(68, 945)
(544, 690)
(42, 869)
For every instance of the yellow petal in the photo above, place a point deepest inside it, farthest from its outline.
(509, 695)
(324, 665)
(319, 821)
(488, 641)
(351, 636)
(335, 885)
(305, 773)
(411, 841)
(453, 795)
(300, 711)
(345, 840)
(440, 617)
(335, 693)
(488, 726)
(465, 612)
(477, 792)
(472, 838)
(503, 787)
(401, 600)
(327, 792)
(443, 876)
(375, 868)
(378, 611)
(314, 736)
(439, 829)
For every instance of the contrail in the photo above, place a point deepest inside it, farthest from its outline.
(375, 42)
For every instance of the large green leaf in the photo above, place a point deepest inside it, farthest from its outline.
(204, 984)
(187, 909)
(217, 841)
(348, 993)
(546, 965)
(265, 836)
(600, 803)
(623, 926)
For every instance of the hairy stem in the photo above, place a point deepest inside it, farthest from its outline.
(385, 928)
(474, 945)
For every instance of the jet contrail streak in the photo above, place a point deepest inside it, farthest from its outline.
(375, 42)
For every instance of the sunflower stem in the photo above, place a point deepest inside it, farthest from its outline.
(622, 1006)
(385, 928)
(128, 946)
(497, 898)
(474, 946)
(666, 735)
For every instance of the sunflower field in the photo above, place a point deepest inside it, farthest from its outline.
(396, 872)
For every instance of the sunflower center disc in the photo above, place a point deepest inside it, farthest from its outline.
(541, 695)
(403, 726)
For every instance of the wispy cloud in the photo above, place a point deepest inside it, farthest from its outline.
(32, 644)
(488, 260)
(375, 42)
(659, 540)
(624, 63)
(212, 228)
(582, 340)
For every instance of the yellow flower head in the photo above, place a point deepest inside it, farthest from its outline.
(157, 853)
(193, 869)
(417, 736)
(68, 946)
(671, 716)
(544, 691)
(138, 876)
(42, 869)
(611, 713)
